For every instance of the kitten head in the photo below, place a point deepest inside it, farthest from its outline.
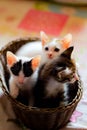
(65, 71)
(62, 68)
(52, 48)
(21, 68)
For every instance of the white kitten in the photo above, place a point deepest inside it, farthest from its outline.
(47, 48)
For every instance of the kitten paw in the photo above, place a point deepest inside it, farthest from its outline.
(14, 95)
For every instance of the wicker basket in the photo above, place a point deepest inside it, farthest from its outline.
(35, 118)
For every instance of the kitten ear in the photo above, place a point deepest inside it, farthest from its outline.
(44, 38)
(11, 58)
(67, 53)
(66, 41)
(36, 61)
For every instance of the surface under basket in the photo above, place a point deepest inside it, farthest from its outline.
(35, 118)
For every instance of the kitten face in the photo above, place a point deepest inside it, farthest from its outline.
(65, 74)
(21, 71)
(21, 68)
(54, 47)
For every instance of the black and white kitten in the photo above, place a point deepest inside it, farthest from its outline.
(22, 76)
(57, 82)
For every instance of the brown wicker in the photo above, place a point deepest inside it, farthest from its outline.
(36, 118)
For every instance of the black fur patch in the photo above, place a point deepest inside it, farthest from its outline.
(27, 69)
(16, 68)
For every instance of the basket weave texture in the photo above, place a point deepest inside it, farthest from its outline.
(35, 118)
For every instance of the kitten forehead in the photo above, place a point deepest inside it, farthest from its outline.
(55, 43)
(24, 59)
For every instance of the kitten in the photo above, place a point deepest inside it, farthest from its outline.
(51, 48)
(47, 48)
(57, 82)
(22, 74)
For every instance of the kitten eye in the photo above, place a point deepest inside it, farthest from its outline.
(56, 49)
(61, 65)
(46, 48)
(59, 68)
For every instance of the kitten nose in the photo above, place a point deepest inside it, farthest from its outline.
(21, 80)
(76, 76)
(50, 54)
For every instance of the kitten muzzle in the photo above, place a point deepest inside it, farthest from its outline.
(21, 81)
(50, 56)
(75, 78)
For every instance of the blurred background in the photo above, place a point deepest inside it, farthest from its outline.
(26, 18)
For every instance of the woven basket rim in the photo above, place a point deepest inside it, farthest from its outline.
(29, 108)
(74, 101)
(18, 40)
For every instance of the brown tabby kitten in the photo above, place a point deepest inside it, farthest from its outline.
(57, 82)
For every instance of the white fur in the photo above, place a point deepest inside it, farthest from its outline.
(14, 90)
(53, 87)
(30, 49)
(67, 71)
(65, 92)
(54, 43)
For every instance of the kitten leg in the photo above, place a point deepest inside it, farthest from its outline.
(31, 101)
(14, 90)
